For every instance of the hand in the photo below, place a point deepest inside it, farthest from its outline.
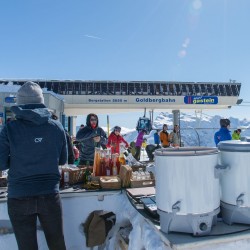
(97, 138)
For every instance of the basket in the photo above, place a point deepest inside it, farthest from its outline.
(76, 174)
(143, 183)
(110, 182)
(84, 166)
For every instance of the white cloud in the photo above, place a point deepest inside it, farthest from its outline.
(186, 43)
(93, 37)
(182, 53)
(197, 4)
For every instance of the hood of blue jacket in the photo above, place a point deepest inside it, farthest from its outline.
(35, 113)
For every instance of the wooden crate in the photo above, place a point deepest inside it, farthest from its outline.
(136, 168)
(84, 166)
(143, 183)
(76, 174)
(110, 182)
(125, 175)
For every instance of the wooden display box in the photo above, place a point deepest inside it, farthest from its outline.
(125, 175)
(143, 183)
(110, 182)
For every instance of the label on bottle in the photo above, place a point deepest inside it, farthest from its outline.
(66, 177)
(89, 177)
(114, 170)
(107, 171)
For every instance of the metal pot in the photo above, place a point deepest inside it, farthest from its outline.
(235, 184)
(185, 180)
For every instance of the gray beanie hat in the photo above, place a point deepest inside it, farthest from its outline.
(30, 93)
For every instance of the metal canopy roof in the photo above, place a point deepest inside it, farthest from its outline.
(116, 96)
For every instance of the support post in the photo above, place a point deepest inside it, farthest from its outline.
(176, 115)
(72, 125)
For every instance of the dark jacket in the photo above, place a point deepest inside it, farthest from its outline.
(85, 136)
(71, 155)
(32, 147)
(222, 135)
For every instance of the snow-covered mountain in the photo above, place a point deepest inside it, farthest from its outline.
(195, 130)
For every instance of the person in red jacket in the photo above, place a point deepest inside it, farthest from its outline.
(114, 140)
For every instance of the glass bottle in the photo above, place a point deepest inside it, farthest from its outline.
(66, 179)
(96, 166)
(114, 169)
(122, 159)
(61, 171)
(108, 165)
(102, 164)
(111, 164)
(118, 165)
(87, 174)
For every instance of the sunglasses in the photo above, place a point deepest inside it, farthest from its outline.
(117, 130)
(93, 120)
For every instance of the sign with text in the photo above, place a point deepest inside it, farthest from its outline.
(10, 99)
(201, 100)
(107, 100)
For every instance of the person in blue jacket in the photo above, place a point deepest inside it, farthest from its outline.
(152, 147)
(32, 147)
(224, 133)
(156, 138)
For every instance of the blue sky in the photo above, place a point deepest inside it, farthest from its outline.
(183, 40)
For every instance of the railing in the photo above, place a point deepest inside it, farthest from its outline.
(204, 136)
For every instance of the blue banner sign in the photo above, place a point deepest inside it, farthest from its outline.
(201, 100)
(10, 99)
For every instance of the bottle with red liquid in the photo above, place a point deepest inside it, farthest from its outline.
(108, 170)
(107, 163)
(102, 163)
(118, 165)
(111, 164)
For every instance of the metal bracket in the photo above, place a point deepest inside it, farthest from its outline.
(176, 207)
